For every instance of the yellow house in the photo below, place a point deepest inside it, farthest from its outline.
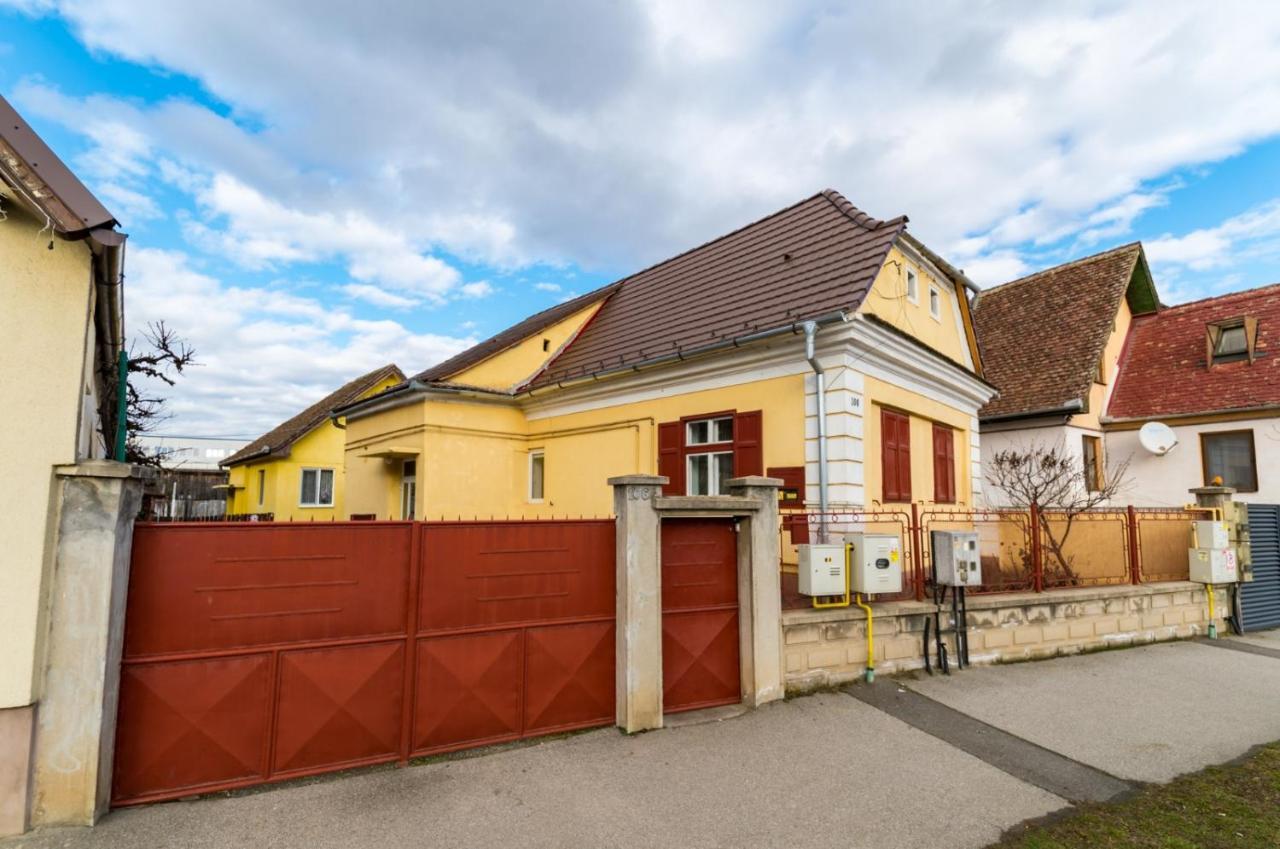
(295, 471)
(62, 322)
(719, 362)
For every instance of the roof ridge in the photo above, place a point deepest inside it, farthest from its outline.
(863, 219)
(1201, 301)
(1053, 269)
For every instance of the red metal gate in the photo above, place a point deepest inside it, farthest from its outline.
(260, 652)
(700, 663)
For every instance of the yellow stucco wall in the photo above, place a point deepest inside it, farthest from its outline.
(279, 490)
(923, 412)
(1099, 393)
(45, 311)
(475, 458)
(513, 366)
(888, 300)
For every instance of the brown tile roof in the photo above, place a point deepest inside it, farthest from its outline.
(277, 441)
(1163, 370)
(512, 335)
(1041, 336)
(808, 260)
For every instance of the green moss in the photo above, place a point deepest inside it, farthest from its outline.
(1236, 805)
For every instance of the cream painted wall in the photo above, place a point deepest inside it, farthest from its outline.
(513, 366)
(1100, 393)
(1165, 481)
(888, 300)
(45, 312)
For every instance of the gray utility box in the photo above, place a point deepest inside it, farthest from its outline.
(957, 558)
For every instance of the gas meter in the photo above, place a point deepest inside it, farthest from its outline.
(957, 561)
(876, 560)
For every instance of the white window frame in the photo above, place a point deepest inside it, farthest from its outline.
(541, 454)
(935, 303)
(711, 431)
(713, 480)
(913, 277)
(409, 491)
(302, 487)
(262, 487)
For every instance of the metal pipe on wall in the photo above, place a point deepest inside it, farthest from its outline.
(810, 337)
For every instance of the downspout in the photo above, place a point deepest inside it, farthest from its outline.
(810, 336)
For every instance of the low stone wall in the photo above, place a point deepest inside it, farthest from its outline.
(825, 647)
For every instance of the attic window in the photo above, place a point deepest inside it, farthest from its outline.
(546, 344)
(1232, 340)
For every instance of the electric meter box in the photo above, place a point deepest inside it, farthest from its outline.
(957, 561)
(1213, 534)
(876, 561)
(822, 570)
(1213, 565)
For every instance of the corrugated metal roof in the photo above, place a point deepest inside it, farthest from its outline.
(58, 191)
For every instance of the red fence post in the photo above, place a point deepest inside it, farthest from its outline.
(1037, 560)
(918, 554)
(408, 696)
(1135, 565)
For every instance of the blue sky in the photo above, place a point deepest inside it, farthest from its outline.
(312, 191)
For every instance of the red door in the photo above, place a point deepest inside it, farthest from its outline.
(699, 614)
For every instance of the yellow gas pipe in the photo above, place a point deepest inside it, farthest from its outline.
(871, 640)
(1213, 624)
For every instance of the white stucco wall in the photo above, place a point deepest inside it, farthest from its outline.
(45, 299)
(1164, 481)
(1066, 438)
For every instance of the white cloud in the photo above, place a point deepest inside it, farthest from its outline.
(547, 287)
(478, 289)
(1212, 260)
(616, 134)
(378, 297)
(263, 354)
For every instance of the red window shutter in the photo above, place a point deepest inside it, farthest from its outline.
(748, 444)
(944, 465)
(671, 456)
(895, 456)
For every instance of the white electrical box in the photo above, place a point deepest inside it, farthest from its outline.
(1213, 534)
(1213, 565)
(957, 561)
(822, 570)
(876, 561)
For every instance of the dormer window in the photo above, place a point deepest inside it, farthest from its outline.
(1232, 340)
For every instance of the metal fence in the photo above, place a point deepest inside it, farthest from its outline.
(1022, 550)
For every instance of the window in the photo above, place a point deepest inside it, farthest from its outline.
(895, 456)
(699, 454)
(537, 475)
(409, 490)
(317, 488)
(708, 472)
(935, 303)
(1101, 376)
(944, 464)
(1229, 455)
(913, 286)
(262, 487)
(1091, 457)
(1231, 340)
(709, 431)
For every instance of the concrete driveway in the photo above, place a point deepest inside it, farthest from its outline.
(818, 771)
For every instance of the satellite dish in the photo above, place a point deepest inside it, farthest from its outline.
(1157, 437)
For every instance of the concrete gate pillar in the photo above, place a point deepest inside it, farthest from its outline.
(640, 509)
(1217, 497)
(76, 717)
(760, 591)
(639, 588)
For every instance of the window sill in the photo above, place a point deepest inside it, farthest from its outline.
(315, 506)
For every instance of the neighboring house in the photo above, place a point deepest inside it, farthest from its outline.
(696, 368)
(295, 471)
(1211, 371)
(190, 483)
(62, 322)
(1051, 343)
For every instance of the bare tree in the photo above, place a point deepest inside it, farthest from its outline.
(163, 357)
(1057, 482)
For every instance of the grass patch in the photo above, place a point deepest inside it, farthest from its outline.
(1236, 805)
